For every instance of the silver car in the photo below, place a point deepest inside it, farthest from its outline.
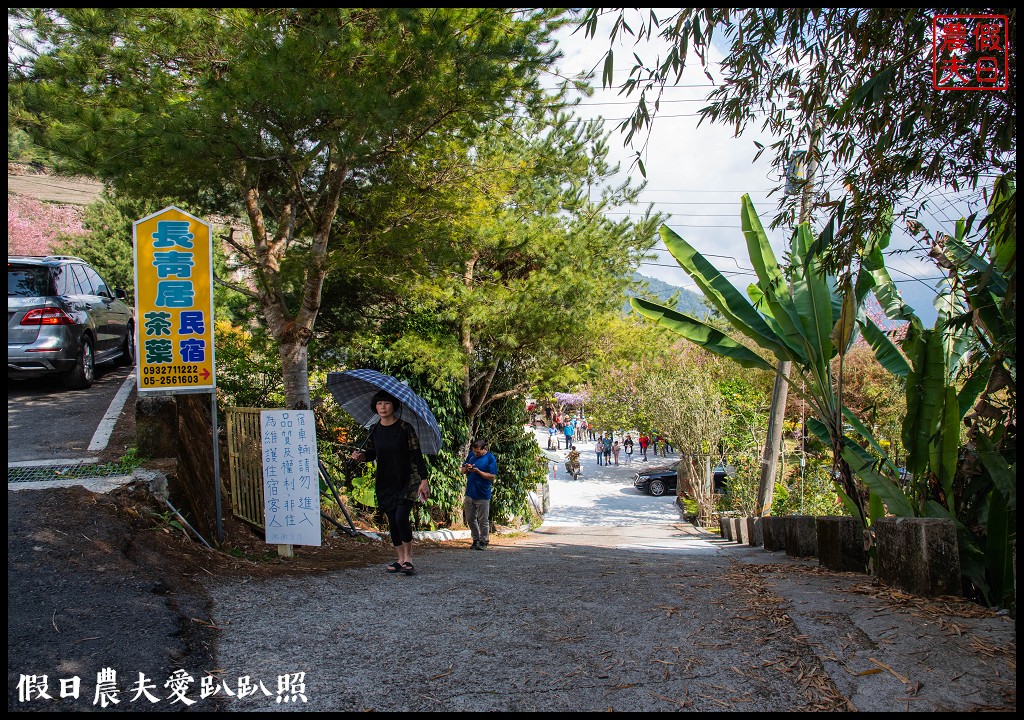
(63, 318)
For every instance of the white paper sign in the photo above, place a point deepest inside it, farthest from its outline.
(291, 483)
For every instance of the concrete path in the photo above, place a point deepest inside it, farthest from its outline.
(618, 606)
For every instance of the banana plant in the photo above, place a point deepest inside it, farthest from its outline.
(799, 314)
(961, 394)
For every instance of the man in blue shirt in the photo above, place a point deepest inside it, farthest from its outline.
(481, 470)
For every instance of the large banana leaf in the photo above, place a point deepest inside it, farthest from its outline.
(944, 446)
(701, 334)
(1004, 475)
(1001, 536)
(965, 259)
(769, 275)
(790, 334)
(863, 465)
(886, 292)
(771, 286)
(886, 352)
(812, 299)
(722, 294)
(872, 260)
(925, 394)
(865, 433)
(843, 333)
(1002, 218)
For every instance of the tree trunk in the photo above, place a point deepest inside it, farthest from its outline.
(294, 356)
(773, 442)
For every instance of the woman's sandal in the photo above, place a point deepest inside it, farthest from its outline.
(395, 567)
(408, 569)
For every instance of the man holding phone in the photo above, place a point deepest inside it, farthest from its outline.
(481, 470)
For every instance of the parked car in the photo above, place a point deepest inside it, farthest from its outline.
(661, 479)
(62, 318)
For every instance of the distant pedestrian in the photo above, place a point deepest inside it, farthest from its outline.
(606, 443)
(599, 449)
(570, 433)
(615, 450)
(655, 438)
(627, 445)
(644, 442)
(552, 441)
(581, 429)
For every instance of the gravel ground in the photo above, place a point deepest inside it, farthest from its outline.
(598, 618)
(613, 604)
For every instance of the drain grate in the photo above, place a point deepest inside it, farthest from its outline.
(65, 471)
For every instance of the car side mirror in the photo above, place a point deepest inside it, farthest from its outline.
(120, 294)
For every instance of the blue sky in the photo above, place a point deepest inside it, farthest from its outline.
(698, 174)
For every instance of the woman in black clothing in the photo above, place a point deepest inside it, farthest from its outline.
(401, 475)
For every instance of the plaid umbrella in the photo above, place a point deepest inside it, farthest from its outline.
(354, 391)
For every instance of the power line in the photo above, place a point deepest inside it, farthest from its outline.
(910, 278)
(704, 190)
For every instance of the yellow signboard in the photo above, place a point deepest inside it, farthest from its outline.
(174, 303)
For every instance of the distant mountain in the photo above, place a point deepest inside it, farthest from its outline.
(689, 302)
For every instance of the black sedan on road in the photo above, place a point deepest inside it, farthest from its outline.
(661, 480)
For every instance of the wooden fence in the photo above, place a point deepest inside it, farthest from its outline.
(245, 463)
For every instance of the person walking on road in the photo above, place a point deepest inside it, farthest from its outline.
(401, 475)
(659, 440)
(627, 445)
(570, 433)
(599, 449)
(606, 444)
(655, 437)
(552, 442)
(615, 451)
(481, 470)
(644, 442)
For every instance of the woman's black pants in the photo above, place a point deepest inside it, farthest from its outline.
(399, 522)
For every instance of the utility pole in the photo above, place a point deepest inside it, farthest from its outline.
(773, 440)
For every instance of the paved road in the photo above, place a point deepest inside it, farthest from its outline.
(46, 421)
(604, 495)
(607, 614)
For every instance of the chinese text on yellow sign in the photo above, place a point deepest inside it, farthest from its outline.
(174, 303)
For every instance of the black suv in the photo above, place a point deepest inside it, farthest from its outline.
(63, 318)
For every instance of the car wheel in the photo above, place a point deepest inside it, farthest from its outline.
(656, 488)
(128, 347)
(81, 375)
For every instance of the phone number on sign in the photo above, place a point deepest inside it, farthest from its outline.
(170, 375)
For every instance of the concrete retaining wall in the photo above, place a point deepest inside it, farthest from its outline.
(918, 555)
(801, 536)
(773, 533)
(841, 544)
(737, 529)
(755, 537)
(743, 536)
